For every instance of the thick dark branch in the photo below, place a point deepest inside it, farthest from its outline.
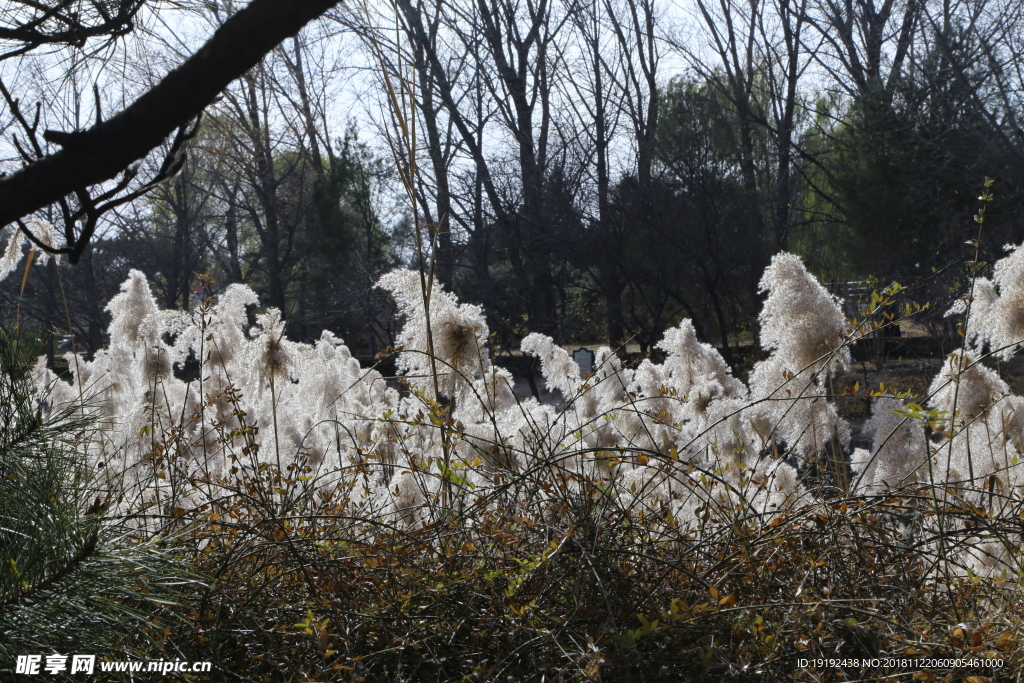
(74, 36)
(108, 148)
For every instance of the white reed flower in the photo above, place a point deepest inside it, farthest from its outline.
(801, 324)
(996, 313)
(458, 331)
(899, 449)
(130, 308)
(965, 388)
(560, 371)
(42, 230)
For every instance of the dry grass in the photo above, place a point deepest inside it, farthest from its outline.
(575, 587)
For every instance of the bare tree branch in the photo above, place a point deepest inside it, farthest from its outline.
(109, 147)
(31, 24)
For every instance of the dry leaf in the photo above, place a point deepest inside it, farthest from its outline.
(1006, 641)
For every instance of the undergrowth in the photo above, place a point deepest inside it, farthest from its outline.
(588, 591)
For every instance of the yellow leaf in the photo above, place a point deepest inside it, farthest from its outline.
(24, 277)
(678, 606)
(1006, 641)
(714, 592)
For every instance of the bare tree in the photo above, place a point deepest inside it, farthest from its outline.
(597, 104)
(513, 48)
(761, 52)
(865, 44)
(634, 23)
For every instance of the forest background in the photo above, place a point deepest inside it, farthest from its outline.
(595, 171)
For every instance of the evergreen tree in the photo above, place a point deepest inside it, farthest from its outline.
(74, 579)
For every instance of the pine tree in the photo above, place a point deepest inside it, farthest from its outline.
(74, 579)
